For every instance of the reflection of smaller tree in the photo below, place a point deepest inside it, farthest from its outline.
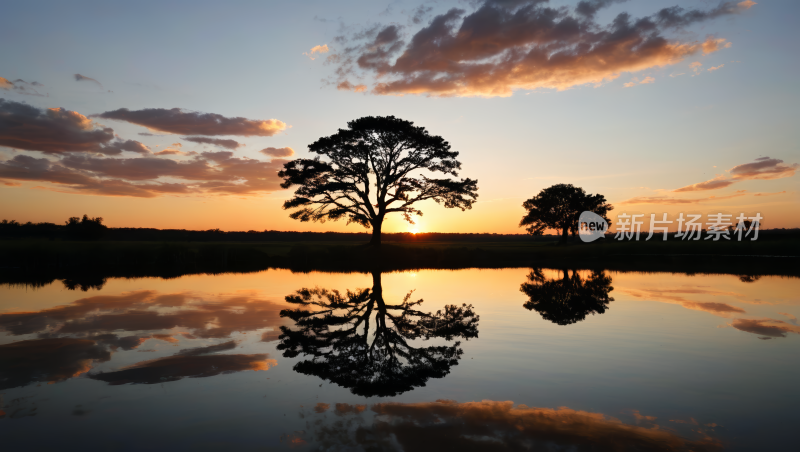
(567, 300)
(336, 334)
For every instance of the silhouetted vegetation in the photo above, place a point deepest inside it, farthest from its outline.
(559, 207)
(75, 228)
(373, 169)
(568, 299)
(360, 342)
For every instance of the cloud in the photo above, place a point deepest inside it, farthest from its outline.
(679, 296)
(636, 81)
(47, 360)
(227, 144)
(206, 316)
(206, 173)
(420, 13)
(345, 85)
(278, 152)
(668, 200)
(316, 51)
(197, 351)
(770, 194)
(500, 426)
(762, 168)
(26, 168)
(20, 86)
(517, 45)
(58, 131)
(321, 407)
(182, 122)
(766, 327)
(712, 69)
(713, 184)
(174, 368)
(83, 78)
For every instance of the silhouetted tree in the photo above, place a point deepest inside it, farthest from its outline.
(559, 207)
(358, 341)
(375, 168)
(567, 300)
(85, 228)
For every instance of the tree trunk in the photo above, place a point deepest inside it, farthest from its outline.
(564, 235)
(376, 233)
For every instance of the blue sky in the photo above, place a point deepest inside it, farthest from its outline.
(245, 59)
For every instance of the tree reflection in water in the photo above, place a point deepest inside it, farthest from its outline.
(569, 299)
(359, 341)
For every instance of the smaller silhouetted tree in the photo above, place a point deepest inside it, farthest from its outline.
(559, 207)
(85, 228)
(568, 299)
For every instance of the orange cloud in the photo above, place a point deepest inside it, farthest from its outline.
(316, 51)
(223, 143)
(712, 69)
(278, 152)
(770, 194)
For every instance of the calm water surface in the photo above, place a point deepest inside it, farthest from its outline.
(510, 359)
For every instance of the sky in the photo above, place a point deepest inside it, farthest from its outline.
(180, 114)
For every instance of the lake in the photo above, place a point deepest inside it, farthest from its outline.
(500, 359)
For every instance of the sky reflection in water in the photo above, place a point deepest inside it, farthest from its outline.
(489, 359)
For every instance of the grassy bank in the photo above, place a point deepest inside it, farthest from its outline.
(87, 264)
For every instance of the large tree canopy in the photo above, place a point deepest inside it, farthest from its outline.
(559, 207)
(374, 168)
(359, 341)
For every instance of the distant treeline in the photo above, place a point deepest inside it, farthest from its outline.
(88, 228)
(92, 229)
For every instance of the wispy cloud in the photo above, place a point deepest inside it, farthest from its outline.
(762, 168)
(83, 78)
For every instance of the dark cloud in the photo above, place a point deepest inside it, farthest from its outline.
(207, 350)
(500, 426)
(508, 45)
(588, 8)
(26, 168)
(182, 122)
(47, 360)
(766, 327)
(174, 368)
(227, 144)
(764, 168)
(278, 152)
(420, 14)
(210, 172)
(20, 86)
(206, 317)
(58, 131)
(83, 78)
